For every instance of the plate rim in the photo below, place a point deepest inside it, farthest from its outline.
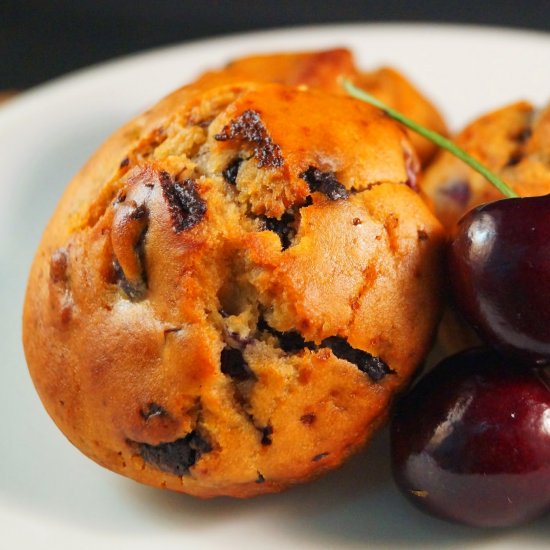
(76, 75)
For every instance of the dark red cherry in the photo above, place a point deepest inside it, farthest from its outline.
(471, 441)
(500, 273)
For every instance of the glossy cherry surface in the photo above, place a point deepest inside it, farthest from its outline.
(471, 441)
(499, 266)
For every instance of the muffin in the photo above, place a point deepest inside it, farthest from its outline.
(233, 288)
(514, 142)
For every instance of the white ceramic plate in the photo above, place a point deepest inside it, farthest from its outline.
(53, 497)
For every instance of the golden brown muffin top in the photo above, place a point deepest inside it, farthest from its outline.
(324, 70)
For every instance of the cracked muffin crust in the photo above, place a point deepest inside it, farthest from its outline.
(323, 69)
(233, 288)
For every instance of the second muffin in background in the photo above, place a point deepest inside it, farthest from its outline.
(513, 142)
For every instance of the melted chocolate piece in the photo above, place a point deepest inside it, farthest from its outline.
(266, 432)
(260, 478)
(139, 247)
(249, 128)
(514, 159)
(308, 419)
(521, 138)
(282, 227)
(120, 198)
(324, 182)
(186, 206)
(373, 366)
(290, 341)
(135, 292)
(422, 235)
(175, 457)
(135, 289)
(139, 212)
(234, 365)
(318, 457)
(231, 171)
(524, 135)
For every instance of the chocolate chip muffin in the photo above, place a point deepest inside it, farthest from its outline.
(233, 288)
(513, 142)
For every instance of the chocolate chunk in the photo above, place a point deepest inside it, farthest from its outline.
(134, 291)
(124, 162)
(234, 365)
(521, 139)
(249, 128)
(153, 410)
(318, 457)
(282, 227)
(120, 198)
(139, 247)
(266, 432)
(176, 457)
(231, 171)
(514, 159)
(308, 419)
(262, 326)
(524, 135)
(130, 274)
(186, 206)
(373, 366)
(324, 182)
(139, 212)
(260, 478)
(422, 235)
(290, 341)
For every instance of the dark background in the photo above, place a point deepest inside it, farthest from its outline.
(41, 39)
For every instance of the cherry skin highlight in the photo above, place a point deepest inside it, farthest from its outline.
(471, 441)
(499, 266)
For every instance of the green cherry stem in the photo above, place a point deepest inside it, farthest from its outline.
(434, 137)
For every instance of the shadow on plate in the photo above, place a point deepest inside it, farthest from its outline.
(348, 507)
